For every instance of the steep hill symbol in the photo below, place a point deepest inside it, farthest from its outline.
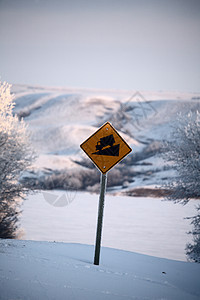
(105, 146)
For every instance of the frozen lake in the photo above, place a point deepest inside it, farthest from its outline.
(145, 225)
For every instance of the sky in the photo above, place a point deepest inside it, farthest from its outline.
(104, 44)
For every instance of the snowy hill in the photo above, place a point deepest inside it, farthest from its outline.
(60, 119)
(44, 270)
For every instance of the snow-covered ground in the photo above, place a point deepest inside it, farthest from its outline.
(59, 271)
(144, 225)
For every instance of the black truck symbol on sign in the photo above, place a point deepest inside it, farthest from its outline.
(105, 146)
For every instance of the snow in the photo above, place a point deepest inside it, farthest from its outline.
(46, 270)
(144, 225)
(143, 241)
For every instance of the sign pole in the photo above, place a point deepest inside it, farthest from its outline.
(105, 145)
(100, 218)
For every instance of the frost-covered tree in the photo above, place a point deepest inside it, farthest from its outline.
(15, 156)
(183, 153)
(193, 250)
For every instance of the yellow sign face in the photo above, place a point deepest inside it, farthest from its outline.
(105, 147)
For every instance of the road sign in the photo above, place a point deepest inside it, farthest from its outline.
(105, 147)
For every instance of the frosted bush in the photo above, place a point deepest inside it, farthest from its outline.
(183, 153)
(15, 156)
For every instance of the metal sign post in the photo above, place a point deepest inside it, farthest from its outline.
(100, 218)
(105, 148)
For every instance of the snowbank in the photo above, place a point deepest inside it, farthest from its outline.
(44, 270)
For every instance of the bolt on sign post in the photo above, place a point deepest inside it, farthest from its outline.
(105, 148)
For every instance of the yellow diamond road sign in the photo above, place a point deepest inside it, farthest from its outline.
(105, 147)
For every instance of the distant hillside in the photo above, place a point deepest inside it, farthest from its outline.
(60, 119)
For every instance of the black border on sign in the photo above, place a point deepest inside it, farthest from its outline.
(118, 136)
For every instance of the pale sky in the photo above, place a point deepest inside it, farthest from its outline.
(115, 44)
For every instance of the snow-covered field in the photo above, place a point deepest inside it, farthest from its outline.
(144, 225)
(58, 271)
